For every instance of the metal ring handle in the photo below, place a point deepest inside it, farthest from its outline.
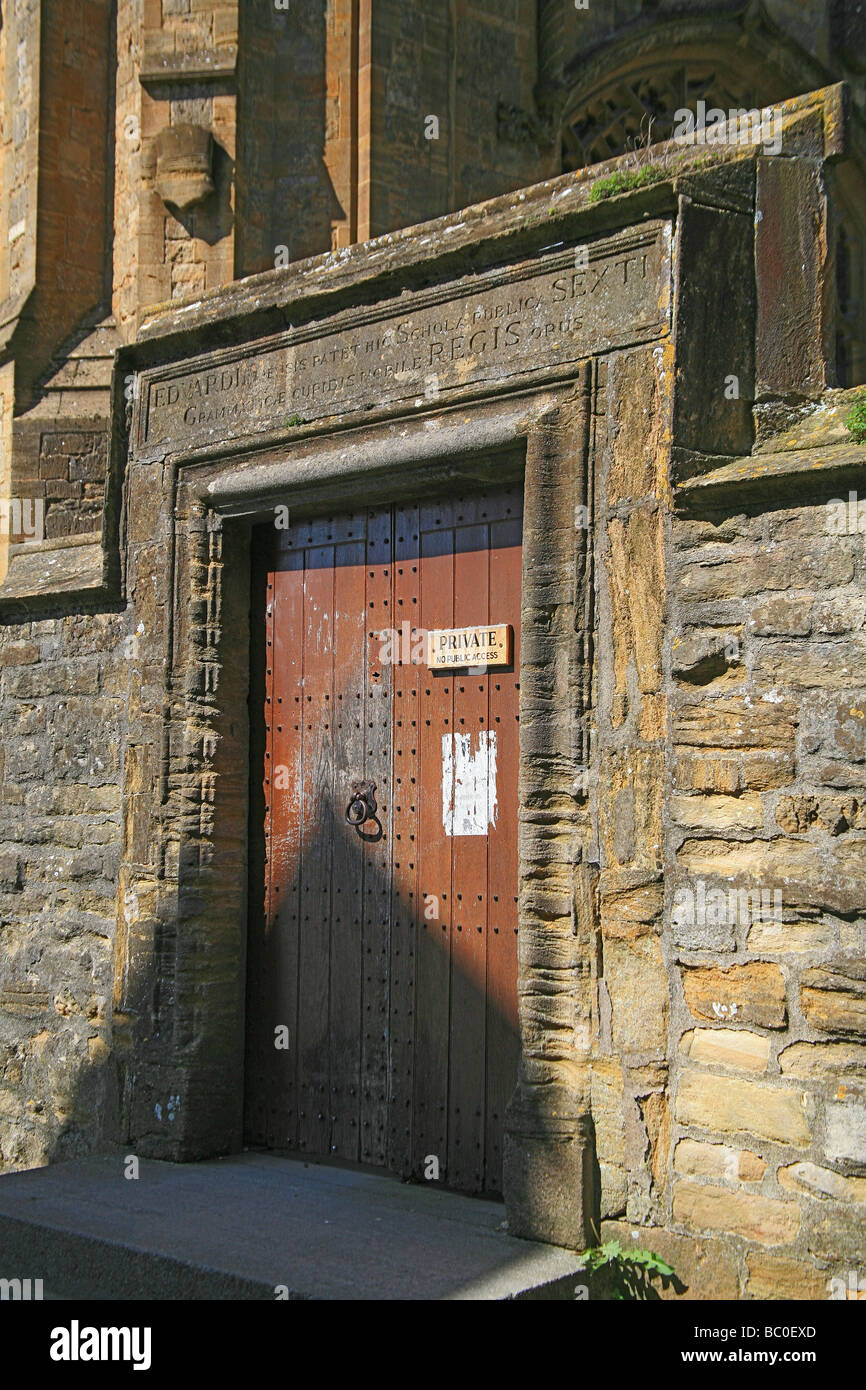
(362, 803)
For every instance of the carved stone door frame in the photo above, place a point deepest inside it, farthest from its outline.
(186, 522)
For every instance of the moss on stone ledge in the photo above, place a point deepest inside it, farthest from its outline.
(624, 180)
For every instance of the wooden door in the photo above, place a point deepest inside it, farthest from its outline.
(382, 960)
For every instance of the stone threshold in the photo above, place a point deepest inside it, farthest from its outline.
(241, 1227)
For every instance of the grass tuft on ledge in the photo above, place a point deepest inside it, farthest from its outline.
(855, 420)
(624, 180)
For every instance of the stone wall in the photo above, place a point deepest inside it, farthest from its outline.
(728, 1083)
(767, 662)
(63, 699)
(64, 471)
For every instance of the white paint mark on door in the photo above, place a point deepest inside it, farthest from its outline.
(469, 783)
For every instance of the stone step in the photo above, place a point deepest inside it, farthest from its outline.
(245, 1226)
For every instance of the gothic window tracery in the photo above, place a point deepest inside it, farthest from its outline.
(634, 105)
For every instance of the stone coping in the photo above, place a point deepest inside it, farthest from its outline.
(751, 476)
(42, 571)
(521, 221)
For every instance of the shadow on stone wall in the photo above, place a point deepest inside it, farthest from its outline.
(285, 197)
(63, 713)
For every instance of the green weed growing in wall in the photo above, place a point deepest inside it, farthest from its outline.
(631, 1275)
(855, 420)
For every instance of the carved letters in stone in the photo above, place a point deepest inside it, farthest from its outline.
(496, 329)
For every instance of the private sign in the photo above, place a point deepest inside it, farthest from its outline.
(449, 648)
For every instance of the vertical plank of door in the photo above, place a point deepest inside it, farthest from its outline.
(469, 931)
(433, 959)
(315, 964)
(406, 675)
(285, 771)
(350, 622)
(377, 883)
(503, 1046)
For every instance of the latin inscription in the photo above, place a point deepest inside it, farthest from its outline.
(528, 320)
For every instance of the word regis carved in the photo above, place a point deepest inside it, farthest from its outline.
(535, 319)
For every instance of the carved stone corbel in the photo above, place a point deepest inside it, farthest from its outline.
(184, 165)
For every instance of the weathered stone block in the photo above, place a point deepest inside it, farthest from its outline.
(753, 993)
(639, 992)
(808, 873)
(746, 1214)
(808, 664)
(719, 812)
(705, 418)
(781, 615)
(727, 1047)
(821, 1182)
(53, 678)
(824, 1061)
(547, 1167)
(842, 732)
(835, 1233)
(695, 928)
(732, 1106)
(635, 444)
(834, 1000)
(10, 872)
(796, 814)
(655, 1110)
(19, 654)
(845, 1131)
(632, 791)
(608, 1119)
(734, 721)
(652, 718)
(783, 938)
(772, 1277)
(717, 775)
(706, 1265)
(764, 771)
(790, 272)
(816, 565)
(184, 164)
(835, 616)
(706, 656)
(631, 912)
(636, 578)
(695, 1159)
(837, 814)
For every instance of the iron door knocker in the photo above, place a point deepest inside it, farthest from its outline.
(362, 803)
